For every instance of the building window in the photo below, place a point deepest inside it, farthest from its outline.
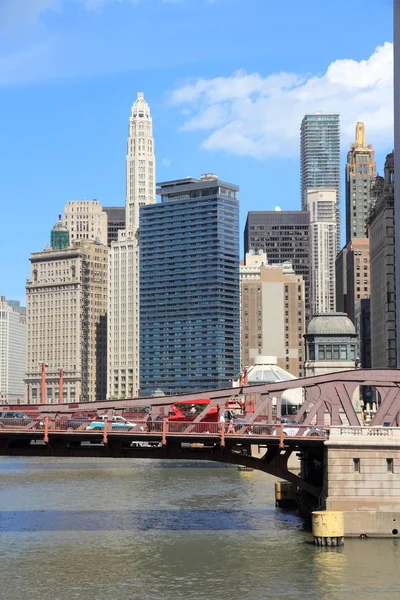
(390, 465)
(321, 352)
(357, 465)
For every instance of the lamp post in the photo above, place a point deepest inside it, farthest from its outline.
(43, 384)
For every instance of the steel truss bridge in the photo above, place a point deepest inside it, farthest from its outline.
(328, 403)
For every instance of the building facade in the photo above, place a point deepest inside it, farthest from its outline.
(358, 278)
(320, 159)
(285, 237)
(341, 280)
(123, 313)
(115, 222)
(396, 87)
(331, 345)
(321, 205)
(189, 287)
(360, 174)
(66, 316)
(382, 270)
(85, 220)
(272, 315)
(12, 353)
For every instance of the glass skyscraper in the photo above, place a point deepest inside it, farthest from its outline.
(189, 287)
(320, 158)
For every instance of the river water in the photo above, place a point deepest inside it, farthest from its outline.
(103, 529)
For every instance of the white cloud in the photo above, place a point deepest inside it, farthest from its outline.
(248, 114)
(166, 162)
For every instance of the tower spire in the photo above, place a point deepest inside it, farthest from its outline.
(360, 134)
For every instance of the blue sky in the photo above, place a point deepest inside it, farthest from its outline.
(228, 82)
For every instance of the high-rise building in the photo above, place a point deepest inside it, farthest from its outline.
(85, 220)
(115, 222)
(382, 270)
(320, 158)
(358, 279)
(123, 314)
(16, 305)
(189, 287)
(360, 173)
(341, 280)
(66, 316)
(396, 87)
(272, 313)
(285, 237)
(12, 353)
(321, 205)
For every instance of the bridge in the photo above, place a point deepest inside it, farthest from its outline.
(346, 463)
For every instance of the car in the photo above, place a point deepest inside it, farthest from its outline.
(117, 423)
(78, 419)
(11, 418)
(291, 428)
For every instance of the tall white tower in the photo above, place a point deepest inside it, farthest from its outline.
(123, 314)
(321, 204)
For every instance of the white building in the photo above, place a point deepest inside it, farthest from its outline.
(321, 204)
(85, 220)
(123, 314)
(12, 353)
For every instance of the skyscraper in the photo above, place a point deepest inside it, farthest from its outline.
(396, 88)
(12, 353)
(66, 305)
(360, 173)
(189, 287)
(320, 158)
(115, 222)
(85, 220)
(382, 270)
(123, 314)
(285, 237)
(321, 205)
(272, 313)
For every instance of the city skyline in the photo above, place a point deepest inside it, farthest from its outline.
(85, 106)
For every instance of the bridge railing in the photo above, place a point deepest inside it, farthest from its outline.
(364, 431)
(163, 427)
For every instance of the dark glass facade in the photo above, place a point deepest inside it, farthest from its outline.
(189, 287)
(115, 222)
(320, 158)
(285, 237)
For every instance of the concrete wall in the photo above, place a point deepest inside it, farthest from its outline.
(370, 497)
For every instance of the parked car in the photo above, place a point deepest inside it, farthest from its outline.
(117, 423)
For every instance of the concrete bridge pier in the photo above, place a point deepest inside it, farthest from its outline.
(362, 479)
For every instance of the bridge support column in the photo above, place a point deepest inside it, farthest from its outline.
(328, 528)
(362, 480)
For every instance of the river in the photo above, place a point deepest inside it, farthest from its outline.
(103, 529)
